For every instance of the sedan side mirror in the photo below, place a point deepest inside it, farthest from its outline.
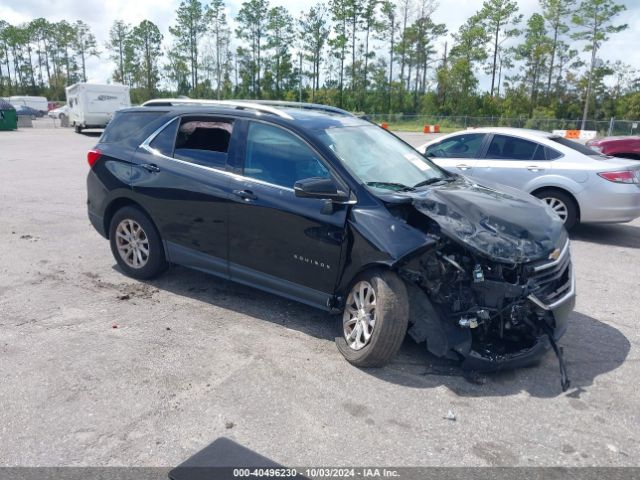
(321, 188)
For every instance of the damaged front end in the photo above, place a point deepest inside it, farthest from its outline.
(489, 291)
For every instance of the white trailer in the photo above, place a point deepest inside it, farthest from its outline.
(39, 103)
(92, 105)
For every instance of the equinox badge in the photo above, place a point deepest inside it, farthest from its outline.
(311, 261)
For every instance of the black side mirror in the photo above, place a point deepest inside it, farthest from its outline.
(322, 188)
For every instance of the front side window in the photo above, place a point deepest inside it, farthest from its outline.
(461, 146)
(276, 156)
(504, 147)
(203, 141)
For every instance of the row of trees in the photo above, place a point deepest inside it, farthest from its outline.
(364, 55)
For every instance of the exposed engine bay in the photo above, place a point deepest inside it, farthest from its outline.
(470, 304)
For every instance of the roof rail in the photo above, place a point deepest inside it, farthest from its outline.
(236, 104)
(304, 106)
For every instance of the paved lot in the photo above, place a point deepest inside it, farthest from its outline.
(194, 358)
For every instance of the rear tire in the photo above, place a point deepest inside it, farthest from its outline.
(387, 303)
(562, 203)
(136, 244)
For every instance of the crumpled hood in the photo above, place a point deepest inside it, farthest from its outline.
(498, 222)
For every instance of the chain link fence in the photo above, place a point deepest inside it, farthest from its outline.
(400, 121)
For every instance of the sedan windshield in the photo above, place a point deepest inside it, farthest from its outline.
(380, 160)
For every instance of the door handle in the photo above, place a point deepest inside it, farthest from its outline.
(151, 167)
(534, 168)
(245, 194)
(463, 166)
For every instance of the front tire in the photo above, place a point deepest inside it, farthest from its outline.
(375, 319)
(136, 244)
(561, 203)
(77, 128)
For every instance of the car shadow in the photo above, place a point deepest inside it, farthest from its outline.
(591, 347)
(92, 133)
(618, 235)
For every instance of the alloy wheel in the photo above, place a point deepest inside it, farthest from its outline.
(359, 318)
(132, 243)
(558, 206)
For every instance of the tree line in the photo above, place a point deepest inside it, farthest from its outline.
(376, 56)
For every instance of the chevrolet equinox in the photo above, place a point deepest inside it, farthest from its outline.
(317, 205)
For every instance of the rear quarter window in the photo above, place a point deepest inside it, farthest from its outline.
(124, 125)
(578, 147)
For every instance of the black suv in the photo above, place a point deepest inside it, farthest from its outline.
(317, 205)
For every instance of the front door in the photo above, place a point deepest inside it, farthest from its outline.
(278, 241)
(457, 154)
(512, 161)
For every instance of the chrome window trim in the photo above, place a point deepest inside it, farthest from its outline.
(146, 146)
(153, 136)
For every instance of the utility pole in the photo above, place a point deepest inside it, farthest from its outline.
(300, 80)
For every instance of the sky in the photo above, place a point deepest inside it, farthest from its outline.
(100, 15)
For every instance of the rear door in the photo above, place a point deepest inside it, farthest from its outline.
(457, 154)
(181, 178)
(512, 161)
(278, 241)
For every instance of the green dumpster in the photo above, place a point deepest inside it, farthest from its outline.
(8, 117)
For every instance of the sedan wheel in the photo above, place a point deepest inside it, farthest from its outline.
(133, 243)
(359, 318)
(562, 204)
(557, 206)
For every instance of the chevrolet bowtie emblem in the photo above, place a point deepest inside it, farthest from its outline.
(555, 254)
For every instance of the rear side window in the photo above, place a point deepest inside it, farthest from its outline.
(504, 147)
(165, 140)
(551, 153)
(578, 147)
(126, 124)
(461, 146)
(279, 157)
(203, 141)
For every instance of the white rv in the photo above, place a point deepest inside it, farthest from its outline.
(39, 103)
(92, 105)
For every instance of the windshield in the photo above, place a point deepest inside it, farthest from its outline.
(380, 160)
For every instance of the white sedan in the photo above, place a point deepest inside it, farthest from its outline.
(578, 183)
(59, 113)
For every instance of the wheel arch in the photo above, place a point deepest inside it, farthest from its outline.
(121, 202)
(562, 190)
(348, 280)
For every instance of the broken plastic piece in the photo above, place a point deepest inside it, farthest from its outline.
(565, 383)
(468, 322)
(478, 274)
(450, 416)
